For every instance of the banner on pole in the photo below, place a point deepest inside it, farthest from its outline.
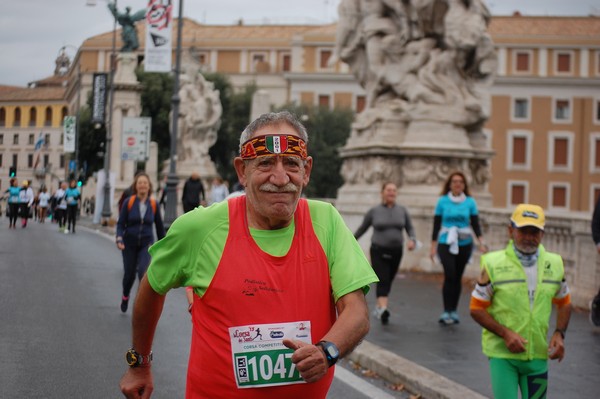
(69, 129)
(99, 90)
(159, 24)
(135, 138)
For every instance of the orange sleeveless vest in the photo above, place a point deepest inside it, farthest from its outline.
(253, 287)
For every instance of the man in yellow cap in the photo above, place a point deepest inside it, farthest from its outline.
(513, 300)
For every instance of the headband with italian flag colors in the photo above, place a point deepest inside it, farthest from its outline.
(276, 144)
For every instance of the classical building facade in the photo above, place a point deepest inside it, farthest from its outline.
(31, 132)
(545, 119)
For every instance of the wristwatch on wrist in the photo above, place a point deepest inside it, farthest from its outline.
(332, 353)
(561, 332)
(134, 359)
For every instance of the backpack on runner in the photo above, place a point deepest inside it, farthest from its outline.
(132, 200)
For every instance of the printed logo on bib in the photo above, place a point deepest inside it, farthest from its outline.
(259, 357)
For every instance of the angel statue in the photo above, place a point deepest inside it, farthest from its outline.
(127, 21)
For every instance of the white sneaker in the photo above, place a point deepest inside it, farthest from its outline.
(377, 312)
(66, 231)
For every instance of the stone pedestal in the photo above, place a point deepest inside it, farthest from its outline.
(417, 157)
(126, 103)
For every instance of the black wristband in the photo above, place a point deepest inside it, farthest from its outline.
(561, 332)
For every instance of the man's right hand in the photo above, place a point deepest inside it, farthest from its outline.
(514, 342)
(137, 383)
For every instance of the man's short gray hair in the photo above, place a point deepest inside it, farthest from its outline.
(273, 118)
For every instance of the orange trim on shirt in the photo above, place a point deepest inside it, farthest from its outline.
(560, 302)
(478, 304)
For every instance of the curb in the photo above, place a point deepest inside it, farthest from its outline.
(414, 377)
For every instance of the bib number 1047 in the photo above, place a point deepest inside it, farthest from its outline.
(266, 368)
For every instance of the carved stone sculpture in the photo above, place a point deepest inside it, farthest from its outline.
(424, 58)
(426, 67)
(199, 117)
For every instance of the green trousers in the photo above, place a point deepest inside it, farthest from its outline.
(508, 375)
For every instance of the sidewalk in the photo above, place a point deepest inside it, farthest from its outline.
(447, 362)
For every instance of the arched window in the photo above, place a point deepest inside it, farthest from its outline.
(48, 119)
(32, 116)
(17, 117)
(2, 116)
(63, 113)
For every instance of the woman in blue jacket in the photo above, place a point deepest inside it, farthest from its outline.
(455, 220)
(138, 215)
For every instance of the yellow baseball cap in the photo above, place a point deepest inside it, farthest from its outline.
(528, 215)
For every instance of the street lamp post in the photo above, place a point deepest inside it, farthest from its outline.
(172, 179)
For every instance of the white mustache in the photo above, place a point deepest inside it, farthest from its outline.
(271, 188)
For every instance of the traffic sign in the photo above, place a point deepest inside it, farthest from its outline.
(135, 139)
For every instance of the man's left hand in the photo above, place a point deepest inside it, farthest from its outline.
(309, 360)
(556, 349)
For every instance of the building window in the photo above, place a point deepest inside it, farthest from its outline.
(17, 122)
(361, 103)
(30, 160)
(46, 160)
(286, 63)
(324, 100)
(48, 119)
(518, 192)
(559, 195)
(15, 161)
(562, 110)
(61, 162)
(62, 138)
(1, 160)
(560, 155)
(523, 61)
(31, 139)
(46, 140)
(32, 116)
(2, 116)
(519, 155)
(561, 152)
(597, 112)
(324, 57)
(519, 150)
(564, 62)
(259, 63)
(63, 113)
(594, 195)
(1, 139)
(16, 139)
(595, 153)
(520, 111)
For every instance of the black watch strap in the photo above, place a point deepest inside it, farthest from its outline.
(332, 353)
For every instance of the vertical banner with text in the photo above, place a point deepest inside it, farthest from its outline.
(159, 24)
(99, 90)
(69, 130)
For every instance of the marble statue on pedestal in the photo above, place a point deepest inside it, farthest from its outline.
(426, 67)
(199, 120)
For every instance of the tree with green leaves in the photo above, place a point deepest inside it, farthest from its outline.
(328, 130)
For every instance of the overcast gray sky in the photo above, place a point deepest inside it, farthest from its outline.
(33, 31)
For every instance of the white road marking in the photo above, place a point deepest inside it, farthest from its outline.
(369, 390)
